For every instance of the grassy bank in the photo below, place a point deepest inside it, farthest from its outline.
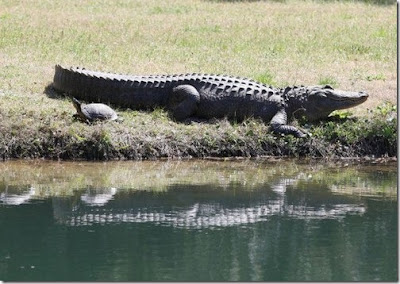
(52, 133)
(350, 45)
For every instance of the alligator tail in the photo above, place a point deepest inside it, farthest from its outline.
(135, 92)
(83, 86)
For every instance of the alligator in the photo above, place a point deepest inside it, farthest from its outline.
(207, 96)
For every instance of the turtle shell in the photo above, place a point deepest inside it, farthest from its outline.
(97, 111)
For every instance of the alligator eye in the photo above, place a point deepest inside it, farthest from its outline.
(318, 94)
(327, 87)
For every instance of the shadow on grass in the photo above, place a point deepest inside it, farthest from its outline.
(52, 93)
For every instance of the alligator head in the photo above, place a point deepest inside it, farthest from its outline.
(319, 101)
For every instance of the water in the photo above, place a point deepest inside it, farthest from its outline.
(198, 221)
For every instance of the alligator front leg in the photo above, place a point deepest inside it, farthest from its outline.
(279, 125)
(183, 102)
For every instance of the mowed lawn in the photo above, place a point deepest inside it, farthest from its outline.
(349, 45)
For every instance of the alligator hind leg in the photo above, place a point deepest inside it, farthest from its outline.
(183, 102)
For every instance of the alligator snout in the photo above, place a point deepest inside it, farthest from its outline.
(363, 96)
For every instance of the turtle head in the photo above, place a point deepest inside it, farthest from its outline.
(77, 104)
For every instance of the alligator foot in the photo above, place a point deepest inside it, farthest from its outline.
(288, 129)
(279, 125)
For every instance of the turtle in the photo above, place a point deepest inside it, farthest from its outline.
(94, 111)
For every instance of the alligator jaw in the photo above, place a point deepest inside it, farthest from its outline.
(321, 101)
(343, 100)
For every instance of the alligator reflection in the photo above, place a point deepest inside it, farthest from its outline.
(204, 206)
(97, 197)
(9, 198)
(199, 194)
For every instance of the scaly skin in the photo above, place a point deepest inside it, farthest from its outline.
(207, 96)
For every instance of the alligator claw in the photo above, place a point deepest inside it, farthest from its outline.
(301, 135)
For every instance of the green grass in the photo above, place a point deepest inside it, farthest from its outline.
(350, 45)
(328, 81)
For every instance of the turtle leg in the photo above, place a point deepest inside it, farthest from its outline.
(279, 125)
(81, 118)
(183, 102)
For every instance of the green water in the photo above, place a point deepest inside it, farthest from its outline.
(198, 221)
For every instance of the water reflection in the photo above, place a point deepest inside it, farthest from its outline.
(195, 195)
(199, 207)
(98, 197)
(202, 221)
(65, 178)
(21, 197)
